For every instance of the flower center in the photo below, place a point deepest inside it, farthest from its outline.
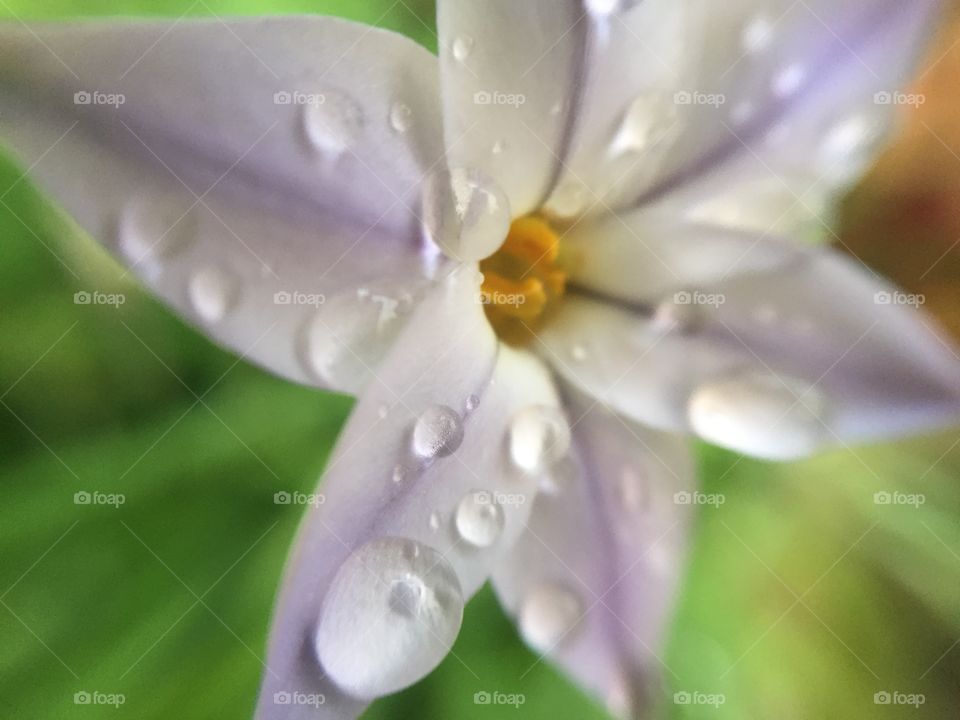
(523, 281)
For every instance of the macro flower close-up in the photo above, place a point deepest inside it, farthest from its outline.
(623, 346)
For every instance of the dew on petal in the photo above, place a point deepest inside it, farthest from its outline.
(788, 81)
(462, 47)
(472, 403)
(646, 122)
(401, 117)
(479, 518)
(434, 521)
(334, 125)
(149, 230)
(212, 294)
(539, 436)
(548, 614)
(760, 414)
(466, 213)
(438, 432)
(578, 352)
(757, 34)
(569, 199)
(679, 313)
(390, 616)
(398, 474)
(498, 147)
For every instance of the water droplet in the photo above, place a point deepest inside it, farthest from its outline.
(334, 125)
(406, 601)
(399, 474)
(760, 414)
(757, 34)
(150, 230)
(465, 213)
(788, 81)
(212, 294)
(437, 433)
(602, 7)
(479, 518)
(498, 147)
(401, 117)
(383, 411)
(569, 199)
(539, 436)
(462, 47)
(578, 352)
(472, 403)
(434, 521)
(646, 122)
(679, 313)
(548, 614)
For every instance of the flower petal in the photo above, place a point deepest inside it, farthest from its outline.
(780, 96)
(592, 581)
(389, 485)
(262, 176)
(510, 75)
(774, 364)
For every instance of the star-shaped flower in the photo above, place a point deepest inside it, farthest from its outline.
(542, 261)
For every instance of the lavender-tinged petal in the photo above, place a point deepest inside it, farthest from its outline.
(776, 364)
(388, 480)
(261, 175)
(593, 581)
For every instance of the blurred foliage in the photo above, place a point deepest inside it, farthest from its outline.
(804, 597)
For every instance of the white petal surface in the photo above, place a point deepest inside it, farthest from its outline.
(772, 364)
(379, 486)
(510, 75)
(262, 176)
(777, 95)
(592, 582)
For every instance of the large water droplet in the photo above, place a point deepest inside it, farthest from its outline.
(760, 414)
(548, 614)
(438, 432)
(465, 213)
(212, 293)
(334, 125)
(150, 230)
(479, 518)
(401, 117)
(539, 436)
(390, 616)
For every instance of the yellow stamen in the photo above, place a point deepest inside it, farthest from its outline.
(523, 280)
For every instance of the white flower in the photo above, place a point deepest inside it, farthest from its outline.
(637, 178)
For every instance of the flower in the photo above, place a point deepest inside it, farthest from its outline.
(635, 182)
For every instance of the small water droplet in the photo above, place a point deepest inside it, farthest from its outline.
(569, 199)
(437, 433)
(757, 34)
(498, 147)
(399, 474)
(646, 122)
(334, 125)
(462, 47)
(539, 436)
(465, 213)
(472, 403)
(548, 614)
(401, 117)
(434, 521)
(406, 598)
(789, 80)
(760, 414)
(578, 352)
(479, 519)
(151, 230)
(679, 313)
(382, 411)
(212, 294)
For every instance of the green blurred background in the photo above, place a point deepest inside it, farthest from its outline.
(804, 598)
